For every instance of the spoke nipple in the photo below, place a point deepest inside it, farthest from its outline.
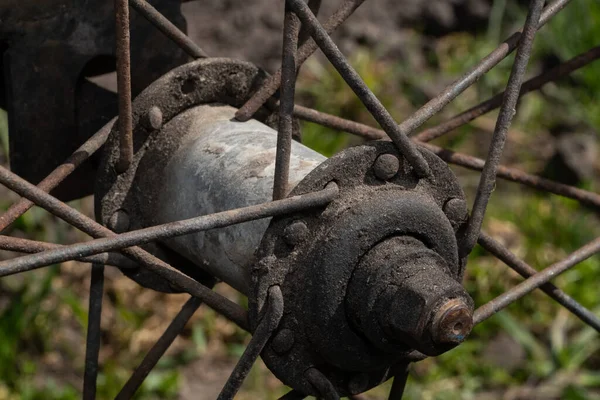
(119, 222)
(452, 323)
(295, 233)
(456, 210)
(386, 166)
(359, 383)
(283, 341)
(153, 119)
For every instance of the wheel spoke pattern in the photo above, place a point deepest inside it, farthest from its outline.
(526, 271)
(532, 84)
(160, 347)
(487, 181)
(84, 152)
(215, 301)
(297, 48)
(92, 347)
(271, 84)
(537, 280)
(366, 96)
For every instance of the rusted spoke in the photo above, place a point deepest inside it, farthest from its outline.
(291, 28)
(464, 160)
(160, 347)
(124, 84)
(271, 84)
(215, 301)
(353, 79)
(168, 28)
(110, 241)
(92, 348)
(84, 152)
(532, 84)
(526, 271)
(534, 282)
(20, 245)
(261, 335)
(487, 181)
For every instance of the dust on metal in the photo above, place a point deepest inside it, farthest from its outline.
(124, 83)
(355, 82)
(291, 29)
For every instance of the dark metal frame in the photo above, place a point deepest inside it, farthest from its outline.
(96, 251)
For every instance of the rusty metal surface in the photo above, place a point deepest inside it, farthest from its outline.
(487, 180)
(123, 44)
(51, 46)
(319, 250)
(535, 83)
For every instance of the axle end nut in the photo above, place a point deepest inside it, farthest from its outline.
(452, 323)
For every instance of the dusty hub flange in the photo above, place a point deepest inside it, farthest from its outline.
(124, 201)
(370, 278)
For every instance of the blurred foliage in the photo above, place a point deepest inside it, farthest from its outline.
(533, 349)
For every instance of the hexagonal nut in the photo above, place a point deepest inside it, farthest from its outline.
(406, 316)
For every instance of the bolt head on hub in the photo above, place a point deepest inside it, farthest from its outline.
(386, 166)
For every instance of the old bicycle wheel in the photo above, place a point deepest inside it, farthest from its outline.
(353, 270)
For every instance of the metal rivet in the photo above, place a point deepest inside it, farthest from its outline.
(456, 210)
(295, 233)
(359, 383)
(153, 119)
(386, 166)
(119, 222)
(283, 342)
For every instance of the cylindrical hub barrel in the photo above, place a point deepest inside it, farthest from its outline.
(223, 164)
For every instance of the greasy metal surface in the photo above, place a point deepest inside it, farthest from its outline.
(60, 38)
(322, 261)
(487, 180)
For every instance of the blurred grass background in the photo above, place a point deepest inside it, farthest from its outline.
(533, 349)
